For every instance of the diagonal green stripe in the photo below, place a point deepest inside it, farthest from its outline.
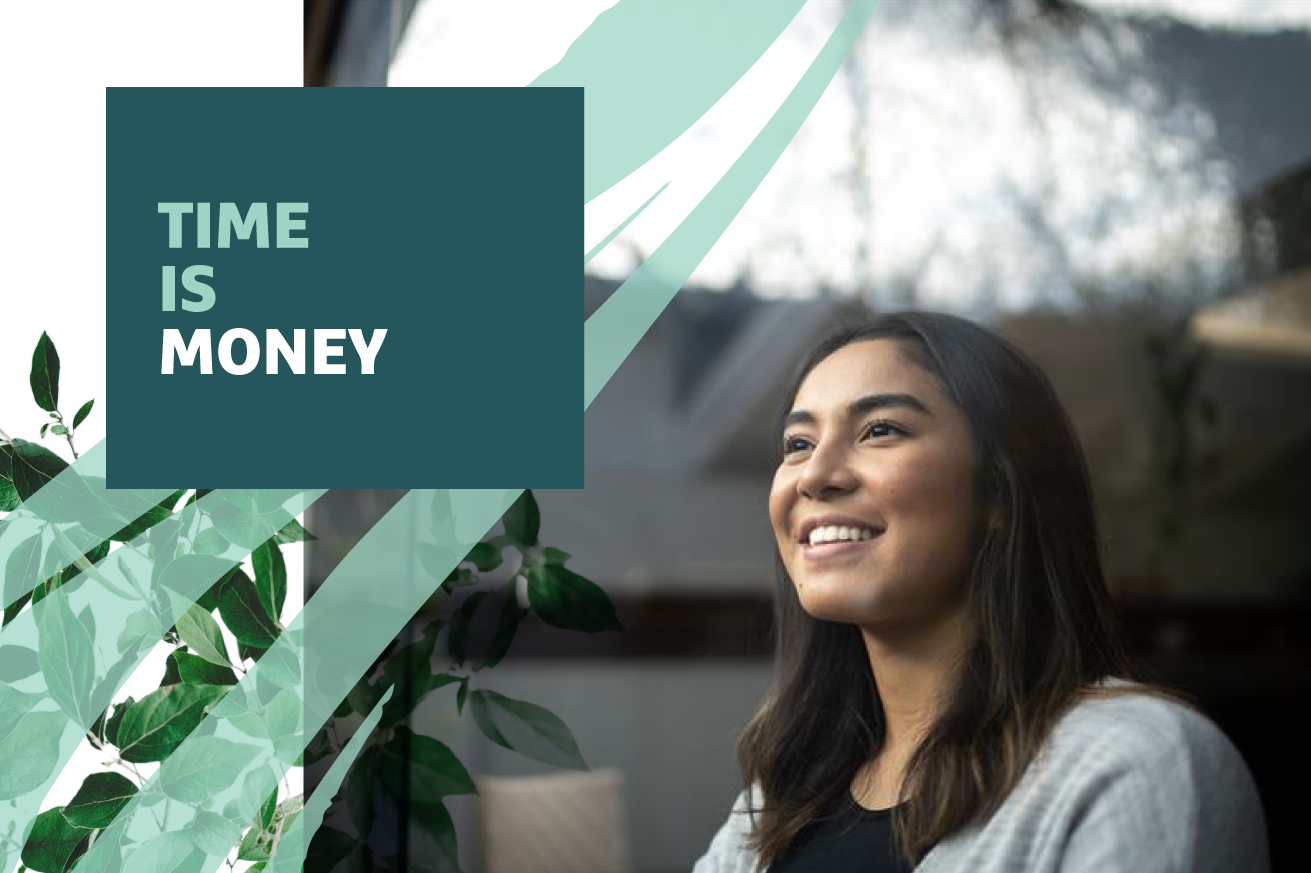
(85, 476)
(289, 854)
(614, 329)
(650, 68)
(112, 612)
(344, 626)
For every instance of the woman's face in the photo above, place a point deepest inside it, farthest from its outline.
(873, 505)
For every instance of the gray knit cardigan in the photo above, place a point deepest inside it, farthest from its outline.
(1126, 784)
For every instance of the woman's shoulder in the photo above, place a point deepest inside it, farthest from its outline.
(1125, 726)
(729, 851)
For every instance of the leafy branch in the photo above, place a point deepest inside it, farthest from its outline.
(473, 631)
(477, 626)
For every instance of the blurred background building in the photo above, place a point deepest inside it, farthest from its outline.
(1122, 187)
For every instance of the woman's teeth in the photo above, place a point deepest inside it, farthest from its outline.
(831, 534)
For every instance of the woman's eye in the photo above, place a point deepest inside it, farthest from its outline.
(881, 428)
(794, 444)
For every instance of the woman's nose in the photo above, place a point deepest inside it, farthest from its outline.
(827, 472)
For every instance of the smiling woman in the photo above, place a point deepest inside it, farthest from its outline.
(951, 693)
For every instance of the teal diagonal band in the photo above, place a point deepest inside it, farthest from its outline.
(72, 512)
(359, 609)
(614, 329)
(289, 853)
(90, 634)
(651, 68)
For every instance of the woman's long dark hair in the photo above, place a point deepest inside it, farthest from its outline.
(1043, 620)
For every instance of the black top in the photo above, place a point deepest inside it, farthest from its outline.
(853, 839)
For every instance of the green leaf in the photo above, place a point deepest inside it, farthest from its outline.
(171, 674)
(57, 429)
(66, 658)
(93, 557)
(484, 556)
(259, 790)
(204, 767)
(436, 822)
(270, 577)
(210, 599)
(265, 820)
(201, 633)
(9, 498)
(358, 792)
(40, 591)
(158, 723)
(280, 666)
(319, 748)
(141, 626)
(409, 669)
(30, 752)
(51, 842)
(555, 556)
(82, 414)
(148, 519)
(252, 653)
(45, 376)
(245, 613)
(17, 662)
(566, 600)
(491, 626)
(283, 721)
(14, 608)
(240, 711)
(434, 771)
(45, 427)
(67, 499)
(327, 848)
(100, 798)
(417, 685)
(209, 542)
(526, 728)
(14, 705)
(292, 532)
(523, 519)
(95, 735)
(114, 676)
(248, 518)
(172, 852)
(23, 569)
(195, 670)
(460, 577)
(212, 833)
(434, 559)
(88, 619)
(114, 721)
(80, 849)
(255, 845)
(461, 695)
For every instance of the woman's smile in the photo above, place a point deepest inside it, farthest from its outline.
(831, 550)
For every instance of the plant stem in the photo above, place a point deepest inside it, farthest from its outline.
(68, 434)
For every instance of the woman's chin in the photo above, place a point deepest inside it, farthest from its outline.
(840, 606)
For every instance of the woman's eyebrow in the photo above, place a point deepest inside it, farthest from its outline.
(864, 405)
